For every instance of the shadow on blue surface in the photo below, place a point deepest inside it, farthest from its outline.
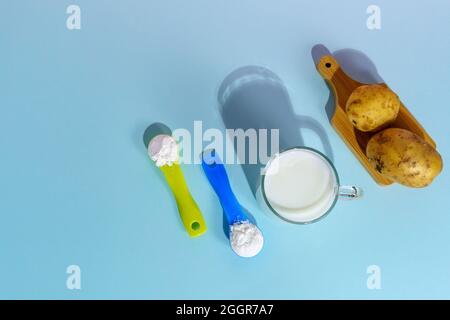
(254, 97)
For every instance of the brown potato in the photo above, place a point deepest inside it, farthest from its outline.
(371, 107)
(404, 157)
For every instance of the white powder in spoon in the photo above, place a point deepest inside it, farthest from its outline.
(246, 239)
(163, 150)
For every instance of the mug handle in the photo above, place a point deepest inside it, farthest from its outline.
(315, 126)
(350, 192)
(345, 192)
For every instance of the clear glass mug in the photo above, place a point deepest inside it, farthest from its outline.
(327, 196)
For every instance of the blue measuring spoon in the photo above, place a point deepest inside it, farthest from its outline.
(215, 172)
(233, 212)
(239, 226)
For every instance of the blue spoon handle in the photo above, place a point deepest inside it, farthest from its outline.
(217, 176)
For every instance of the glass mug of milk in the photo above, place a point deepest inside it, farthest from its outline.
(301, 185)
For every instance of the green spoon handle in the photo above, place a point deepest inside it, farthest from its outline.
(190, 213)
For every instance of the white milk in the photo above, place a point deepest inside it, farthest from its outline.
(300, 185)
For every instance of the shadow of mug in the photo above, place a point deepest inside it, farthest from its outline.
(254, 97)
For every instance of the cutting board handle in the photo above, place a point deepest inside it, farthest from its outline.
(327, 67)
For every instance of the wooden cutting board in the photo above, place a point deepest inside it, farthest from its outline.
(342, 86)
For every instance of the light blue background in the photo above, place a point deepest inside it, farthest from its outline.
(76, 185)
